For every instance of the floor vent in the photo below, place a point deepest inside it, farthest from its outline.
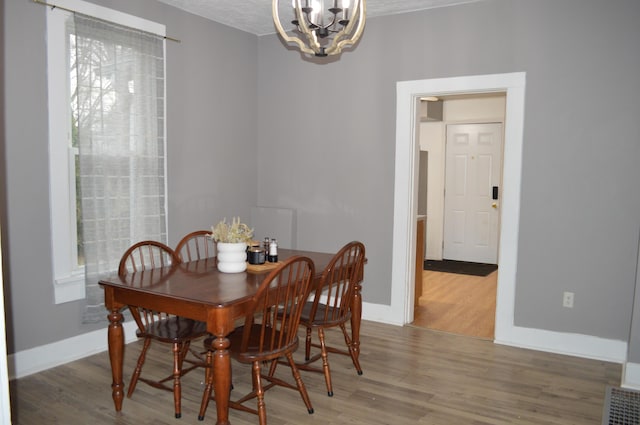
(621, 407)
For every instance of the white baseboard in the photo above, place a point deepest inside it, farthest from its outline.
(40, 358)
(631, 376)
(578, 345)
(37, 359)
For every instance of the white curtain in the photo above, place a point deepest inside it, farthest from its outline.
(119, 110)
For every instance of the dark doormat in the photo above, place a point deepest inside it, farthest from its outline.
(460, 267)
(621, 407)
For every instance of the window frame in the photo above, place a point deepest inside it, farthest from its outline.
(68, 277)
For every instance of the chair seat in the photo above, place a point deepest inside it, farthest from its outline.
(174, 329)
(305, 317)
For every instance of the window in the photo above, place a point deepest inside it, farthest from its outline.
(107, 140)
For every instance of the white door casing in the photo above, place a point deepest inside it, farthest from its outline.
(472, 171)
(405, 189)
(5, 405)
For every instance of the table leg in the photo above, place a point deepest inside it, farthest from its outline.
(116, 351)
(221, 378)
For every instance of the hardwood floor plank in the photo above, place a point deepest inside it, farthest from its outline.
(411, 376)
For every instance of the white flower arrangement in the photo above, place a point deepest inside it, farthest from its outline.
(231, 233)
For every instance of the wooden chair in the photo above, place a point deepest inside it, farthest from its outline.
(196, 245)
(331, 307)
(148, 256)
(267, 336)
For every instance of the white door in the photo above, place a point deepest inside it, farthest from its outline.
(473, 175)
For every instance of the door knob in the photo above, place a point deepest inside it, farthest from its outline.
(494, 205)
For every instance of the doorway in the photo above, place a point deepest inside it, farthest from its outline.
(403, 255)
(463, 178)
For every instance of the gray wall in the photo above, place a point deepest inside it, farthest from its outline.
(211, 124)
(325, 140)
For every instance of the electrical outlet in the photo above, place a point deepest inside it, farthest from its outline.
(567, 299)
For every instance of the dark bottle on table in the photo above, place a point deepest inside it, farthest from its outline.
(273, 251)
(265, 247)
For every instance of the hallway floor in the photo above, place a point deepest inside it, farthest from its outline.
(458, 304)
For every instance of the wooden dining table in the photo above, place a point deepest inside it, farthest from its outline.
(197, 290)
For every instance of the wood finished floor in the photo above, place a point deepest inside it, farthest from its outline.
(457, 303)
(411, 376)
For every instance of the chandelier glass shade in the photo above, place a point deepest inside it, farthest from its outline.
(322, 27)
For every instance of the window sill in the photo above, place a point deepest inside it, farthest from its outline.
(69, 289)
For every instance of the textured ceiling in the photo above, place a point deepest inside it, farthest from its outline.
(254, 16)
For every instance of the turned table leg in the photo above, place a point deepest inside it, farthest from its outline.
(222, 378)
(116, 352)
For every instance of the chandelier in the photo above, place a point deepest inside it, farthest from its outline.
(322, 30)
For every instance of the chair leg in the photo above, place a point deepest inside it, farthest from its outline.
(177, 367)
(272, 368)
(325, 362)
(138, 369)
(257, 382)
(301, 388)
(307, 346)
(208, 386)
(352, 352)
(184, 351)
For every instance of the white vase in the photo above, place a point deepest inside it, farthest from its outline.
(232, 257)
